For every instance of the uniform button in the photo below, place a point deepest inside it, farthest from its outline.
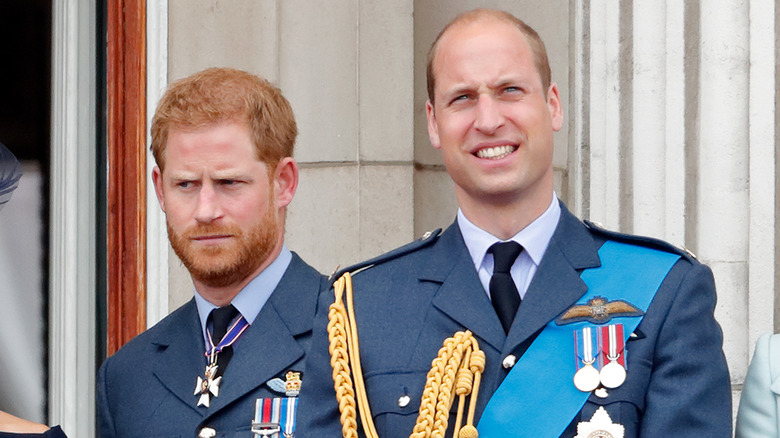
(403, 401)
(207, 432)
(509, 361)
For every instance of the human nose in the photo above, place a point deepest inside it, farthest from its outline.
(488, 116)
(208, 207)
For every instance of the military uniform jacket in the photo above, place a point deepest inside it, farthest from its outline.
(410, 300)
(146, 388)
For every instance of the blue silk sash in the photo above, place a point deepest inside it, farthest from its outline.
(538, 397)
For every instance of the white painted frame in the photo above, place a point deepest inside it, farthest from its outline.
(72, 222)
(156, 233)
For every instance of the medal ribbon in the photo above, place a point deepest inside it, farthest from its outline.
(232, 335)
(628, 272)
(585, 339)
(275, 416)
(612, 343)
(290, 408)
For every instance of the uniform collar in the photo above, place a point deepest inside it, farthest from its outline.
(534, 238)
(251, 299)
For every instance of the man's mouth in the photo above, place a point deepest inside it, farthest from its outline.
(212, 237)
(496, 152)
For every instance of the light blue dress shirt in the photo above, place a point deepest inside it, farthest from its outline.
(534, 238)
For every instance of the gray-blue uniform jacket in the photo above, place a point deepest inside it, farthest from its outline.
(146, 388)
(410, 300)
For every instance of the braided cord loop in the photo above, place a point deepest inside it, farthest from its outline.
(458, 367)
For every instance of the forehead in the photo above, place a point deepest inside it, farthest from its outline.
(486, 44)
(220, 144)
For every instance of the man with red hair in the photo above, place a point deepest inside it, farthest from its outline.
(223, 142)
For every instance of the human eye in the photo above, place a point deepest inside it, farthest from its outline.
(460, 99)
(513, 89)
(184, 184)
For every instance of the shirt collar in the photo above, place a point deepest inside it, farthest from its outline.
(534, 238)
(251, 299)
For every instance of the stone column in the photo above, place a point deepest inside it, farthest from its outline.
(674, 128)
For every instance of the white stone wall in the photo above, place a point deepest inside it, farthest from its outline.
(671, 125)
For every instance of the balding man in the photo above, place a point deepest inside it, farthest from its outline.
(584, 332)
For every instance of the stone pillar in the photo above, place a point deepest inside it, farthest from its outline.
(673, 135)
(722, 230)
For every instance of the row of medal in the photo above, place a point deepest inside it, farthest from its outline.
(600, 357)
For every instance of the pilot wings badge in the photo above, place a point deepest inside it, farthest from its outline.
(598, 310)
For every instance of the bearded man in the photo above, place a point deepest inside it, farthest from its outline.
(223, 142)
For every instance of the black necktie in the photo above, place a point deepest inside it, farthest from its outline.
(503, 292)
(220, 319)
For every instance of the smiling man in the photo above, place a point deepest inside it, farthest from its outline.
(223, 142)
(585, 332)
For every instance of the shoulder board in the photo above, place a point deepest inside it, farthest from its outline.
(427, 239)
(639, 240)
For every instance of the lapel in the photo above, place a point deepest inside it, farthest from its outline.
(557, 285)
(461, 295)
(179, 358)
(269, 347)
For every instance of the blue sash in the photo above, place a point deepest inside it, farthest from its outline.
(538, 397)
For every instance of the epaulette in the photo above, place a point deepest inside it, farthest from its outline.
(651, 242)
(427, 239)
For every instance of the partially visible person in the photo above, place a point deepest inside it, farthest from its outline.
(223, 143)
(585, 332)
(15, 427)
(759, 411)
(10, 173)
(10, 425)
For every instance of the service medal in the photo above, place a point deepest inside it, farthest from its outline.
(275, 417)
(613, 374)
(587, 377)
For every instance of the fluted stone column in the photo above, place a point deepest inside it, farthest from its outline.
(762, 312)
(674, 132)
(722, 232)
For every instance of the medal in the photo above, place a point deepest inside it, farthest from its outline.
(208, 386)
(613, 374)
(587, 378)
(600, 426)
(275, 417)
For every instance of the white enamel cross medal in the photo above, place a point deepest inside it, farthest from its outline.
(208, 386)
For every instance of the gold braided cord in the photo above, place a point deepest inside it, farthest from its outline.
(339, 361)
(457, 367)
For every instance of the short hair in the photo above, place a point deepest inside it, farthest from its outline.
(534, 41)
(218, 95)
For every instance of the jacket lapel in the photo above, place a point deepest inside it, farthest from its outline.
(461, 295)
(180, 359)
(557, 285)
